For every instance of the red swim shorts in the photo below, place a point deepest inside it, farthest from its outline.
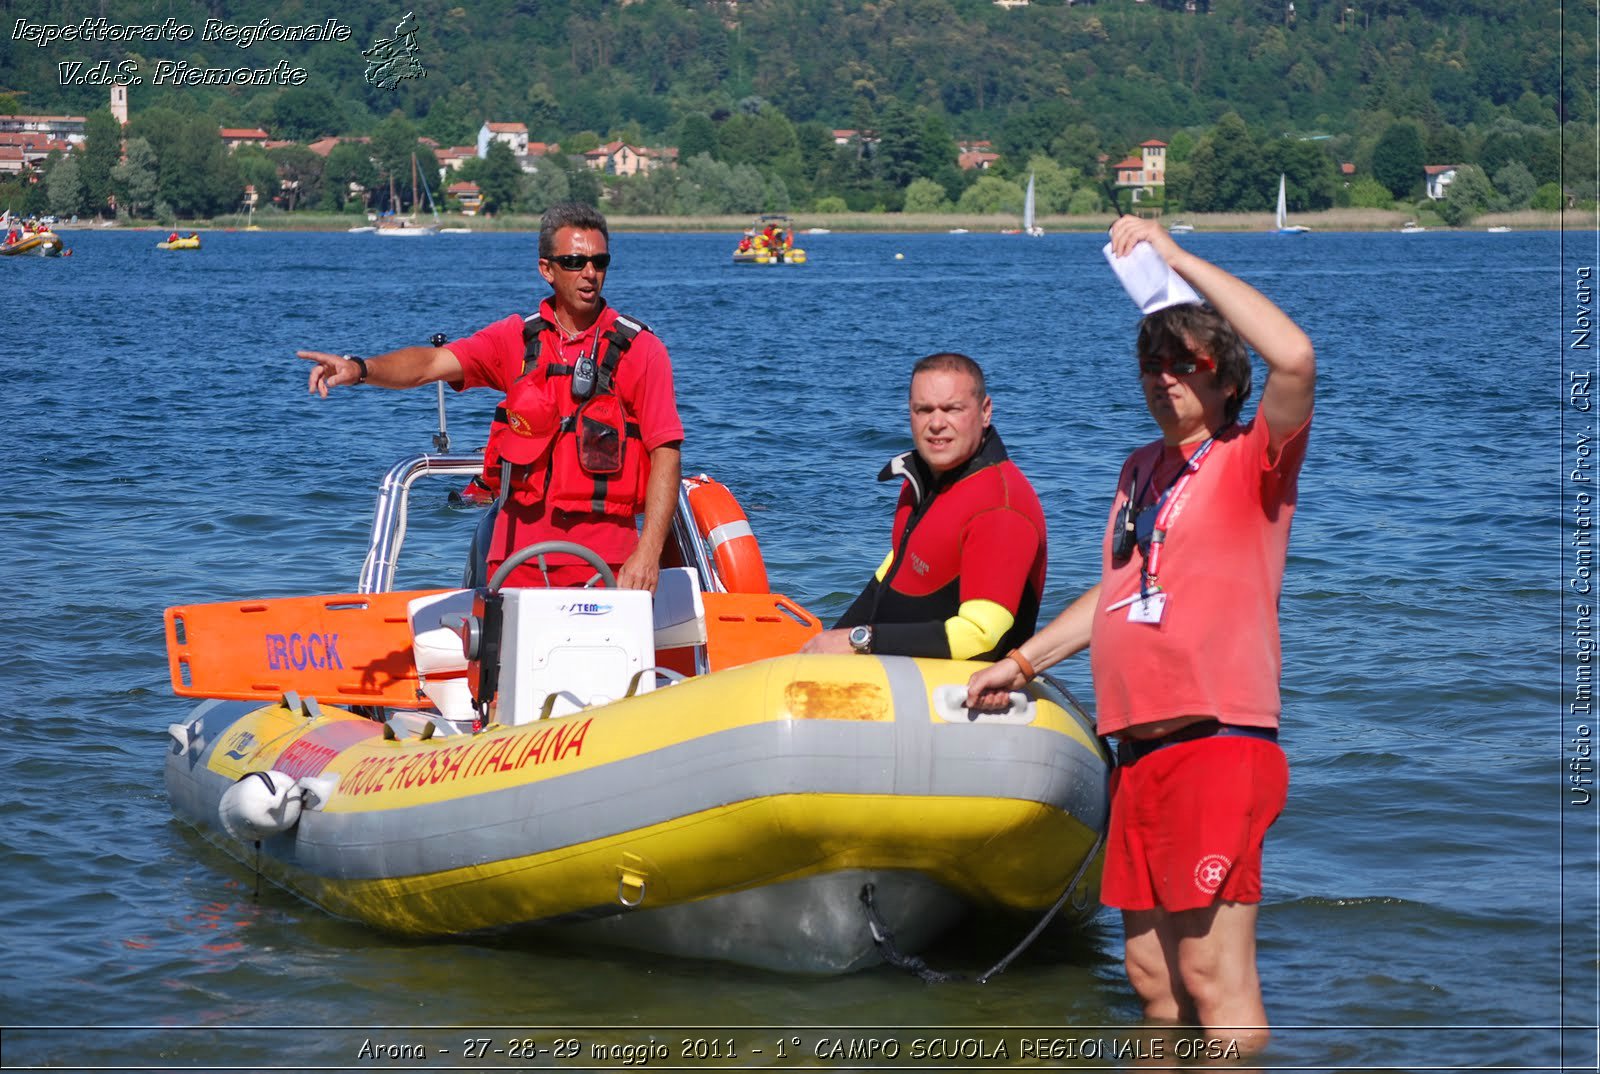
(1188, 822)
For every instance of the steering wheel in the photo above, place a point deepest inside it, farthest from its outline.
(540, 549)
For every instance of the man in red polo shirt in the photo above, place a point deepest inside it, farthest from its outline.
(591, 433)
(1182, 632)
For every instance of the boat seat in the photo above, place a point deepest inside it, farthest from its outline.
(477, 571)
(436, 646)
(679, 614)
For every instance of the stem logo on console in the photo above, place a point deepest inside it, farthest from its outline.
(585, 608)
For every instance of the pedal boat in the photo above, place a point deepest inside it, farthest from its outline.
(663, 774)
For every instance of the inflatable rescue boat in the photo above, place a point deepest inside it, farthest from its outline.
(662, 772)
(37, 243)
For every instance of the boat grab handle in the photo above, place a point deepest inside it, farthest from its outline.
(550, 702)
(672, 677)
(950, 702)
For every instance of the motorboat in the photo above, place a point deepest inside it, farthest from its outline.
(662, 772)
(769, 240)
(1411, 227)
(1180, 228)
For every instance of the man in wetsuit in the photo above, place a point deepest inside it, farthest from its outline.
(966, 565)
(591, 425)
(1182, 632)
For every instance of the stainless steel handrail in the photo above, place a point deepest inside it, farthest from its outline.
(389, 517)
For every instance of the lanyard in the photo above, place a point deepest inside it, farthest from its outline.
(1165, 508)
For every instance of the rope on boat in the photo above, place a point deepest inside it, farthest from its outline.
(883, 939)
(883, 936)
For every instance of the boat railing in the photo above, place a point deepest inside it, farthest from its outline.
(389, 517)
(394, 501)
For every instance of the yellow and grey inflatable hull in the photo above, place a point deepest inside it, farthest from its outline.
(734, 816)
(38, 244)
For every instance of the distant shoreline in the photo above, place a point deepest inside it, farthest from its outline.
(1325, 220)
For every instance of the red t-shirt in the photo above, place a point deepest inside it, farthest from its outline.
(1215, 651)
(492, 358)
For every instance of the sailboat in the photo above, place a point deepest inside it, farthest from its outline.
(1284, 227)
(403, 227)
(1028, 226)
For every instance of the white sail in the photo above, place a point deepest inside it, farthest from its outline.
(1284, 227)
(1028, 226)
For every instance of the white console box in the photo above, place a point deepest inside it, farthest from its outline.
(585, 646)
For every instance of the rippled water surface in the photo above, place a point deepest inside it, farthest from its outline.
(1430, 894)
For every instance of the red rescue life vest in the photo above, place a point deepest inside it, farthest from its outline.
(584, 455)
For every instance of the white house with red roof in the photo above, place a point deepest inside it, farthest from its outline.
(1439, 177)
(514, 135)
(237, 136)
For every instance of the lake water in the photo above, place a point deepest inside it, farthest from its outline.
(1430, 891)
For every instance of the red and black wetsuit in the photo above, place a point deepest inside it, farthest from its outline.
(966, 570)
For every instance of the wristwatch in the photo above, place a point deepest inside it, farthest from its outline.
(861, 638)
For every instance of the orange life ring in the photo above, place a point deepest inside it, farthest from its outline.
(734, 550)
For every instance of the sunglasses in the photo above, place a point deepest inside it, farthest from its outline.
(1178, 367)
(575, 262)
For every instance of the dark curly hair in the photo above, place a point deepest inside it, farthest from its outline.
(1192, 329)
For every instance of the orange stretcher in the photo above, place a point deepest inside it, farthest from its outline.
(356, 649)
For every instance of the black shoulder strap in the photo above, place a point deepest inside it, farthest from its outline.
(533, 326)
(619, 337)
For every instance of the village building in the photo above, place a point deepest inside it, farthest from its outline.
(1439, 177)
(234, 137)
(1144, 173)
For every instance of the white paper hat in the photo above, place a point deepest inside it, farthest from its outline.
(1149, 281)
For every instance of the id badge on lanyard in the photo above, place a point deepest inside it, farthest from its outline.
(1149, 604)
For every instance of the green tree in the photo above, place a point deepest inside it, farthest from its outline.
(1367, 193)
(697, 134)
(991, 194)
(548, 186)
(1226, 173)
(1078, 146)
(1053, 184)
(543, 112)
(304, 114)
(102, 148)
(500, 181)
(1469, 194)
(301, 175)
(348, 163)
(926, 196)
(1516, 186)
(394, 142)
(1398, 158)
(899, 152)
(65, 184)
(257, 169)
(133, 180)
(1548, 198)
(1085, 200)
